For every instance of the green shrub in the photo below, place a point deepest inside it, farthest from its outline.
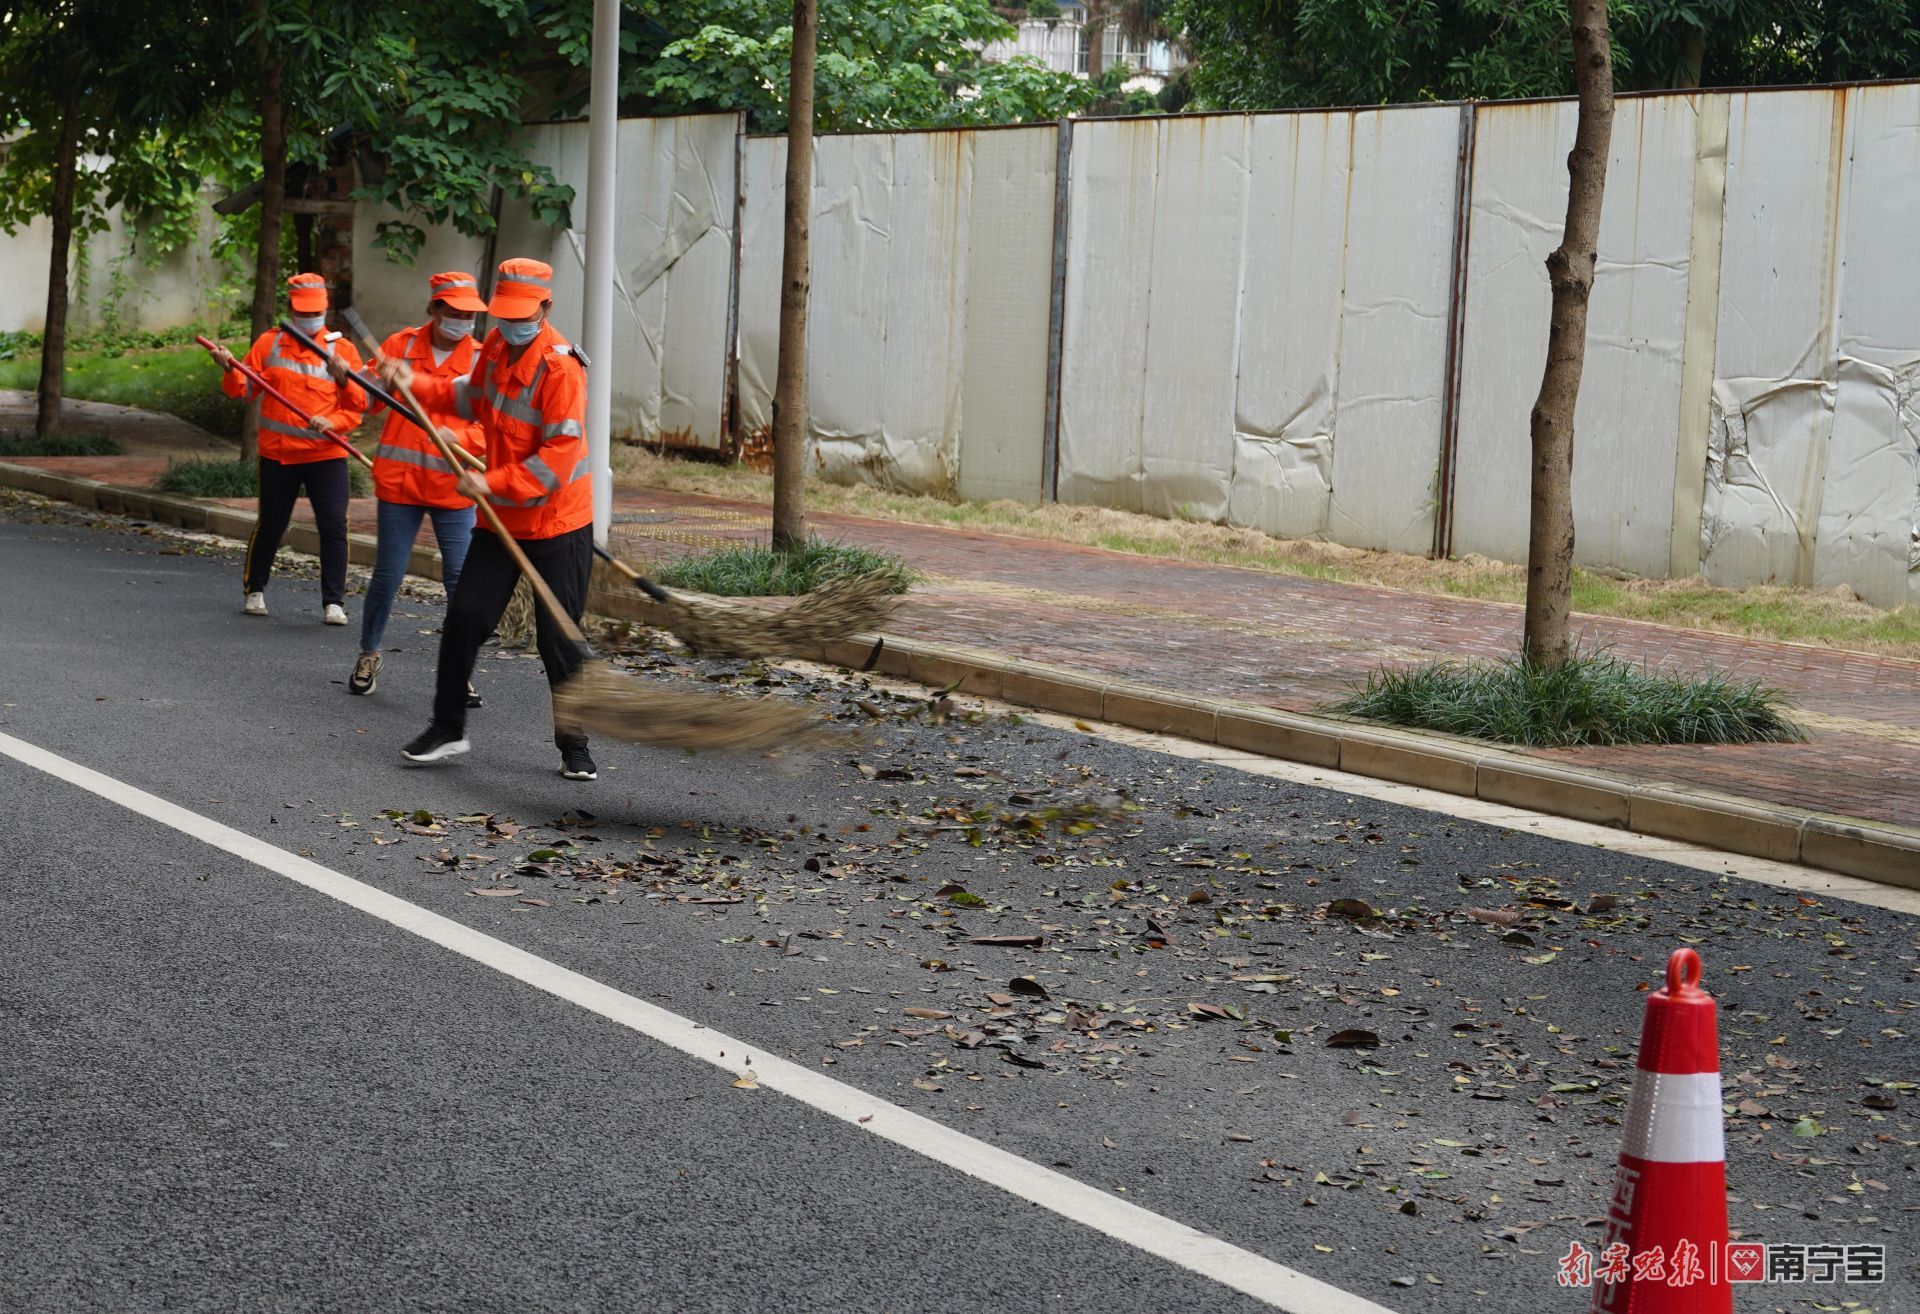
(86, 442)
(219, 477)
(210, 477)
(1594, 698)
(757, 571)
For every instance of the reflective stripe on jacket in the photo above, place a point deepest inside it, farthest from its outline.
(302, 376)
(534, 413)
(408, 466)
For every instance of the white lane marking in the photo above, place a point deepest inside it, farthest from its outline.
(1763, 871)
(1210, 1257)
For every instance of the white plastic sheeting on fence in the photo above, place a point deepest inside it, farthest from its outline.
(1772, 408)
(927, 318)
(1627, 417)
(1256, 319)
(1813, 473)
(1255, 324)
(673, 258)
(1868, 534)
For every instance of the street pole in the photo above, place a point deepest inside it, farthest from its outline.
(603, 116)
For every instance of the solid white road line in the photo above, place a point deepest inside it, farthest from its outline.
(1210, 1257)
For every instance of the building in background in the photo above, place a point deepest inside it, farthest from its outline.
(1064, 44)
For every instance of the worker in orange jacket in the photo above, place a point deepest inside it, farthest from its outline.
(528, 392)
(294, 451)
(410, 477)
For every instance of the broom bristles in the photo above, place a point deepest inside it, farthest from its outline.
(602, 701)
(853, 604)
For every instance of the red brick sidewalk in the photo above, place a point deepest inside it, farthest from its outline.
(1291, 642)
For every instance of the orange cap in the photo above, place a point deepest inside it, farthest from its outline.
(520, 288)
(457, 290)
(308, 292)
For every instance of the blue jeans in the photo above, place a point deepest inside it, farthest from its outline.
(399, 526)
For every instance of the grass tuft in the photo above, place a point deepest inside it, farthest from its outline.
(22, 442)
(218, 477)
(1593, 699)
(756, 571)
(210, 477)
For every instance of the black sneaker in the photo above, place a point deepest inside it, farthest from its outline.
(577, 764)
(473, 695)
(435, 745)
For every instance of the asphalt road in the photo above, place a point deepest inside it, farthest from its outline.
(225, 1091)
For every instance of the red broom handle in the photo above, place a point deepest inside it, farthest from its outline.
(273, 392)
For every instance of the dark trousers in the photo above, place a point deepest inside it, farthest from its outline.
(480, 599)
(326, 487)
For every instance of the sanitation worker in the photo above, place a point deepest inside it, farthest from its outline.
(411, 479)
(528, 393)
(295, 452)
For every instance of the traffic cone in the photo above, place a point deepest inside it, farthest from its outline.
(1667, 1224)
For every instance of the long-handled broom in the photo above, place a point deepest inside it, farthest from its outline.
(840, 607)
(253, 377)
(600, 701)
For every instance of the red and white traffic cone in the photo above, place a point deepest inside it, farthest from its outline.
(1667, 1225)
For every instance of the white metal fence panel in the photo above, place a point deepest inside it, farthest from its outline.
(1772, 406)
(927, 319)
(1291, 286)
(674, 258)
(1278, 285)
(1105, 372)
(763, 163)
(1626, 420)
(1392, 342)
(1869, 528)
(1009, 270)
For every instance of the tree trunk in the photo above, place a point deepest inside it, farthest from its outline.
(53, 350)
(1096, 34)
(790, 383)
(303, 257)
(1693, 59)
(273, 199)
(1570, 271)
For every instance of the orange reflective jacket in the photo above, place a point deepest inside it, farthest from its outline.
(408, 467)
(303, 377)
(534, 412)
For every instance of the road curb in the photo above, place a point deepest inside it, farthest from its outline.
(1874, 851)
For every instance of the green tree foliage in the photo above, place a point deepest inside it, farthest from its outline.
(881, 64)
(1255, 54)
(62, 59)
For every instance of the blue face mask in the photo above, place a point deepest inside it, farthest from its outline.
(519, 332)
(311, 325)
(452, 330)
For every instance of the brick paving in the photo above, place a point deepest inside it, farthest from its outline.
(1293, 642)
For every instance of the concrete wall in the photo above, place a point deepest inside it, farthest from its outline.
(179, 289)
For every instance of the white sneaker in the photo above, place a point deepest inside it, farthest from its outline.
(336, 614)
(256, 604)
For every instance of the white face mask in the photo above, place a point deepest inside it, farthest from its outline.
(310, 324)
(452, 330)
(519, 332)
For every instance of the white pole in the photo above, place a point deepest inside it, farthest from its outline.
(602, 125)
